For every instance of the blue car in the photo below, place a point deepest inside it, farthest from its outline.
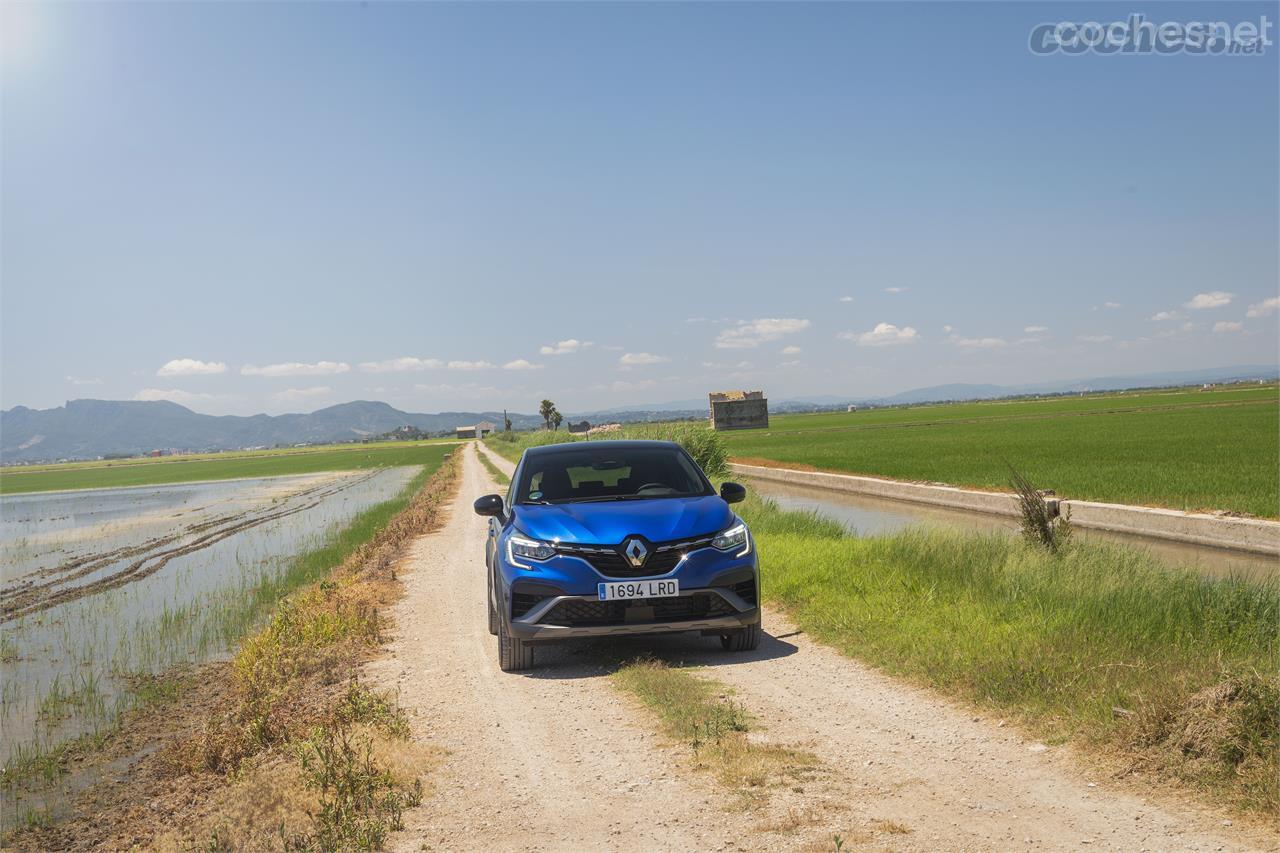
(616, 538)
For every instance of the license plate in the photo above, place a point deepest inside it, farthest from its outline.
(638, 589)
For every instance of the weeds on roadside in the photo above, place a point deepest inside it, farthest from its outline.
(697, 712)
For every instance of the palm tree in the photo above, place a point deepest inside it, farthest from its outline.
(546, 409)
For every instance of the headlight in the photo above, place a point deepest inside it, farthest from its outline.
(519, 548)
(735, 537)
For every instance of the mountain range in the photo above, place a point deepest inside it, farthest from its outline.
(85, 429)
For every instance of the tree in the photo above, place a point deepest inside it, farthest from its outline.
(506, 421)
(546, 409)
(556, 419)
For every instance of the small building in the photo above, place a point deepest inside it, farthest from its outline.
(852, 408)
(739, 410)
(479, 430)
(580, 428)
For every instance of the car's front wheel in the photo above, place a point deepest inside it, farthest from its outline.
(744, 640)
(514, 654)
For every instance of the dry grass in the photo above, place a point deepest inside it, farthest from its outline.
(699, 714)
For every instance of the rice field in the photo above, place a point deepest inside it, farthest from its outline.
(1186, 450)
(103, 590)
(117, 473)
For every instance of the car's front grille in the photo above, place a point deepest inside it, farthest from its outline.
(578, 614)
(610, 561)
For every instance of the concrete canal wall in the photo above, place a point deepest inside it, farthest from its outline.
(1219, 531)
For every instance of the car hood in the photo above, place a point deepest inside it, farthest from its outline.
(608, 523)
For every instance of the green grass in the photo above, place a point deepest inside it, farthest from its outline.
(494, 471)
(696, 712)
(1058, 641)
(1216, 450)
(183, 469)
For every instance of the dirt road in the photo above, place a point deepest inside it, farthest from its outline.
(557, 759)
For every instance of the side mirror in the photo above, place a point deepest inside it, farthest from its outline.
(732, 493)
(490, 505)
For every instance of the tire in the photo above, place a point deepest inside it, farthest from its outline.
(514, 654)
(745, 640)
(493, 616)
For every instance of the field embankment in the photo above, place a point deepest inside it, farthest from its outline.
(120, 473)
(283, 745)
(1190, 451)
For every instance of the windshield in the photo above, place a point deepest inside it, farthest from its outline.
(610, 474)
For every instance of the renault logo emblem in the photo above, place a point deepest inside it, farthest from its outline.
(635, 552)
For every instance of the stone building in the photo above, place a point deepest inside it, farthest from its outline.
(739, 410)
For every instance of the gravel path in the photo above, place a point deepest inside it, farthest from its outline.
(559, 760)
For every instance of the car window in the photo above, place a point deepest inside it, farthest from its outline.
(601, 474)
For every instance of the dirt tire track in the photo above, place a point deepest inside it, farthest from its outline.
(554, 760)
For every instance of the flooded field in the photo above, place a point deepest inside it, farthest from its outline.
(869, 516)
(101, 588)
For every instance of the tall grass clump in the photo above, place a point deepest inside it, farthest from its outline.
(1038, 520)
(1101, 643)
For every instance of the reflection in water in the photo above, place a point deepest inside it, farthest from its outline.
(869, 516)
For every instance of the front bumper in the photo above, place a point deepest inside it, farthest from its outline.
(708, 610)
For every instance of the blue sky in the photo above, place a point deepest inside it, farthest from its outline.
(257, 207)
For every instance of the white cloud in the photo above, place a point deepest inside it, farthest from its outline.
(896, 289)
(752, 333)
(1094, 339)
(467, 389)
(634, 359)
(1212, 299)
(791, 350)
(191, 367)
(296, 395)
(846, 298)
(1161, 316)
(1224, 326)
(1036, 330)
(80, 380)
(471, 365)
(1265, 308)
(946, 328)
(978, 343)
(401, 365)
(297, 368)
(622, 385)
(884, 334)
(1112, 305)
(565, 347)
(790, 364)
(521, 364)
(175, 395)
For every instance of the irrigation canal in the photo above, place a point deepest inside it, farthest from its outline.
(869, 516)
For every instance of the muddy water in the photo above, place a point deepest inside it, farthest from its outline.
(99, 586)
(869, 516)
